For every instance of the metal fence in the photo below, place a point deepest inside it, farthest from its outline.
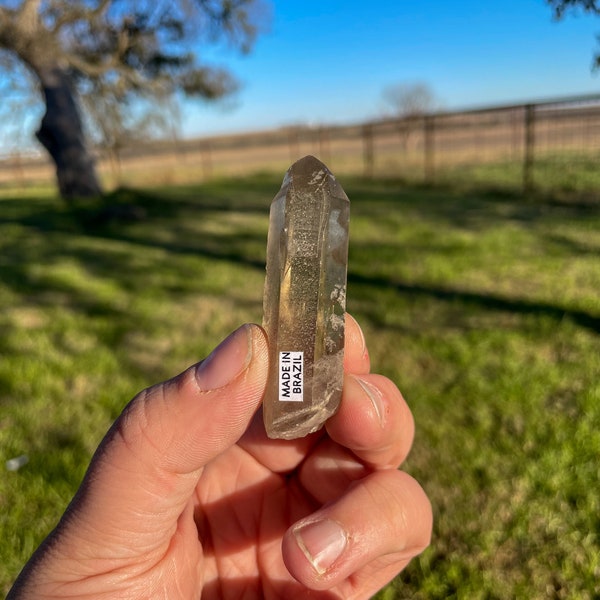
(549, 146)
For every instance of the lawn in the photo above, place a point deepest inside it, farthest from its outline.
(483, 307)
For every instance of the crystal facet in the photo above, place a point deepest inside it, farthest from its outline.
(305, 300)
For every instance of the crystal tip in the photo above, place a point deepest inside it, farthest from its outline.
(308, 166)
(310, 172)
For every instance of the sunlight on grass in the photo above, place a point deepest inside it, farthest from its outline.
(483, 307)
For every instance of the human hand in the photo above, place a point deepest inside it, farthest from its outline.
(186, 497)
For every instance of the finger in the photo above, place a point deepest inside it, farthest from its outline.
(374, 421)
(356, 354)
(365, 537)
(373, 430)
(283, 456)
(329, 471)
(147, 467)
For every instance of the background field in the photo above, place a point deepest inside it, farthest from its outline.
(482, 306)
(551, 147)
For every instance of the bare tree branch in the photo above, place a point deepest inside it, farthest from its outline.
(28, 16)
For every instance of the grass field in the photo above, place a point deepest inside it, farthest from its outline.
(484, 308)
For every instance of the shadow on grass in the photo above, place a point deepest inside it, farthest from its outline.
(162, 220)
(471, 300)
(95, 261)
(467, 208)
(137, 218)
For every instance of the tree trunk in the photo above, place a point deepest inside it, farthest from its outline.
(61, 133)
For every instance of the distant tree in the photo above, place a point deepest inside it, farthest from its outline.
(410, 99)
(409, 103)
(560, 7)
(108, 56)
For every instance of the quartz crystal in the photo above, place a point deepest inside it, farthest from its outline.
(305, 300)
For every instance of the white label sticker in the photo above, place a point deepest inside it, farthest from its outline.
(291, 376)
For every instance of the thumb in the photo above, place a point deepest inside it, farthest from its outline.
(146, 469)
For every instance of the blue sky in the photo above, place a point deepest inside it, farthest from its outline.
(329, 61)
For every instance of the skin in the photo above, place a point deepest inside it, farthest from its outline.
(186, 497)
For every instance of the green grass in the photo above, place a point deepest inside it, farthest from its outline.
(484, 308)
(562, 175)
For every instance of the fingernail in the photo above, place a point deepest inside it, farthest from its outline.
(226, 361)
(322, 542)
(376, 398)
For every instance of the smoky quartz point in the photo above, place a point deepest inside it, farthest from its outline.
(305, 300)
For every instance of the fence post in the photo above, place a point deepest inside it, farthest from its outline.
(529, 151)
(368, 151)
(429, 147)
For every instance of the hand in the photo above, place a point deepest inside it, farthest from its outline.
(186, 497)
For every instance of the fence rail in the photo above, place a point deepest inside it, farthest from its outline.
(522, 146)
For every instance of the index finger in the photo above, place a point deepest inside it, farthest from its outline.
(374, 421)
(372, 431)
(356, 354)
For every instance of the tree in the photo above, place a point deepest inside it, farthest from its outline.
(560, 7)
(110, 55)
(410, 99)
(410, 102)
